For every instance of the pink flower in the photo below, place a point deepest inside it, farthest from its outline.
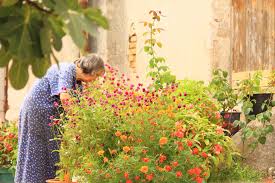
(55, 104)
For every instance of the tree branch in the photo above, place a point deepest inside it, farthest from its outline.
(33, 4)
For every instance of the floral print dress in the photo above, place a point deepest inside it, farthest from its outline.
(36, 159)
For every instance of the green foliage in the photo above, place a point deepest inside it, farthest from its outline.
(160, 73)
(222, 90)
(238, 172)
(32, 30)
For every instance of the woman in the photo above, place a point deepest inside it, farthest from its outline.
(36, 159)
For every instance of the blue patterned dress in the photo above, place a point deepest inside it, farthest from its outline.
(36, 161)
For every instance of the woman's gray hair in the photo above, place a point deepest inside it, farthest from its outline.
(90, 64)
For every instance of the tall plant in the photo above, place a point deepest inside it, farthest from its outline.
(160, 72)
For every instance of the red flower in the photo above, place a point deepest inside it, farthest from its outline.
(145, 160)
(179, 134)
(217, 149)
(195, 171)
(137, 177)
(189, 143)
(178, 174)
(199, 179)
(195, 151)
(226, 116)
(203, 154)
(150, 177)
(126, 175)
(175, 163)
(129, 181)
(162, 158)
(8, 147)
(168, 168)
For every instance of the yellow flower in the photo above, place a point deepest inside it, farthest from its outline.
(126, 149)
(163, 141)
(100, 153)
(144, 169)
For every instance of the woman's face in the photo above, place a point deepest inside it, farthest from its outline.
(92, 77)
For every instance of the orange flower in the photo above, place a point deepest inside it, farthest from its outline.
(100, 153)
(113, 151)
(126, 157)
(88, 171)
(144, 169)
(163, 141)
(123, 137)
(126, 149)
(118, 133)
(105, 159)
(107, 175)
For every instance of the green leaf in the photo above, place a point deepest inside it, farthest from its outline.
(269, 128)
(40, 67)
(20, 43)
(8, 2)
(96, 16)
(5, 11)
(262, 139)
(77, 24)
(4, 57)
(58, 33)
(18, 74)
(45, 40)
(49, 3)
(159, 44)
(11, 26)
(146, 48)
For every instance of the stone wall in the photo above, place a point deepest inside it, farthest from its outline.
(220, 51)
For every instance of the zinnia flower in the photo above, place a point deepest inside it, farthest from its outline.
(163, 141)
(144, 169)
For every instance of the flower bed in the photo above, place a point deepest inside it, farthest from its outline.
(118, 132)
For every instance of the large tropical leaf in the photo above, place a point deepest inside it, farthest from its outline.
(77, 24)
(18, 74)
(40, 67)
(4, 57)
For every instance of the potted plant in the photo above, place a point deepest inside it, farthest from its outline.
(8, 152)
(226, 97)
(256, 105)
(252, 92)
